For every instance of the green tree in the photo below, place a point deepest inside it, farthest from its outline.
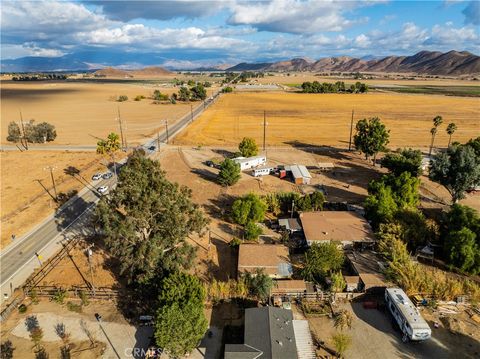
(249, 208)
(14, 134)
(451, 128)
(198, 92)
(322, 259)
(338, 282)
(109, 147)
(372, 136)
(229, 172)
(179, 329)
(437, 121)
(259, 284)
(341, 342)
(457, 169)
(227, 89)
(181, 288)
(252, 231)
(475, 145)
(184, 94)
(460, 216)
(45, 132)
(146, 220)
(248, 147)
(36, 335)
(405, 160)
(317, 200)
(6, 350)
(381, 206)
(463, 251)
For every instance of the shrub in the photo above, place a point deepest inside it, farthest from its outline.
(73, 307)
(235, 242)
(252, 231)
(83, 297)
(248, 147)
(59, 296)
(122, 98)
(6, 350)
(139, 98)
(227, 89)
(22, 308)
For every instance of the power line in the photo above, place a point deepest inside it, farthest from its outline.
(25, 144)
(351, 129)
(121, 128)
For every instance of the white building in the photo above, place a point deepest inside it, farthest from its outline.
(250, 162)
(261, 171)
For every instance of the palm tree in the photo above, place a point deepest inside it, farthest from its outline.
(451, 128)
(343, 320)
(109, 147)
(437, 121)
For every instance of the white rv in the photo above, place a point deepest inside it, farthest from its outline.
(407, 316)
(250, 162)
(262, 171)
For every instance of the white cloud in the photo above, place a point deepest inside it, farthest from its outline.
(12, 51)
(293, 16)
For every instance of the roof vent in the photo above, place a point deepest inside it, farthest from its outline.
(279, 343)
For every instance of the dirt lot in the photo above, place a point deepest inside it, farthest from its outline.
(26, 184)
(84, 111)
(374, 336)
(324, 119)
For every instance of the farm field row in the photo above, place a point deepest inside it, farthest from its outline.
(324, 119)
(82, 112)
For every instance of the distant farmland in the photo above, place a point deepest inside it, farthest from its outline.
(324, 119)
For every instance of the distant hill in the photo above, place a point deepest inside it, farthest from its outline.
(452, 63)
(145, 72)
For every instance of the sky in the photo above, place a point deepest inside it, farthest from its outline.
(203, 33)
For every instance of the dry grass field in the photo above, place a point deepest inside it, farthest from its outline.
(85, 111)
(299, 77)
(24, 200)
(324, 119)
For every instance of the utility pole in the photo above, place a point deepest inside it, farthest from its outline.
(191, 112)
(293, 206)
(264, 129)
(121, 128)
(158, 141)
(166, 128)
(51, 168)
(23, 130)
(351, 129)
(89, 255)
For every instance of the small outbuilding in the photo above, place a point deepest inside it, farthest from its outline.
(247, 163)
(262, 171)
(299, 173)
(290, 224)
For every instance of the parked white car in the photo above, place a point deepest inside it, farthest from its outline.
(96, 176)
(107, 175)
(102, 189)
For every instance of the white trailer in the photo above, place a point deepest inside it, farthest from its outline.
(262, 171)
(407, 316)
(247, 163)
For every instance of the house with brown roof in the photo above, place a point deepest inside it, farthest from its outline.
(272, 258)
(342, 227)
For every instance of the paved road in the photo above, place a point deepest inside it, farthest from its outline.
(19, 259)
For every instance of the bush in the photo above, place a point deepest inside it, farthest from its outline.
(227, 89)
(84, 297)
(59, 296)
(6, 350)
(235, 242)
(259, 284)
(139, 98)
(14, 133)
(322, 259)
(122, 98)
(73, 307)
(252, 231)
(22, 308)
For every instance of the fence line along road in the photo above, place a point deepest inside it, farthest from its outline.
(21, 258)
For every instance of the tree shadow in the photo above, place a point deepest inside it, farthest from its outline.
(205, 174)
(75, 173)
(45, 189)
(333, 152)
(224, 153)
(31, 323)
(216, 206)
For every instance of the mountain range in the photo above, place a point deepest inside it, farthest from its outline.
(452, 63)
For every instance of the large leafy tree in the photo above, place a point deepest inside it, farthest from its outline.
(198, 92)
(108, 147)
(321, 260)
(250, 208)
(248, 147)
(259, 284)
(179, 328)
(405, 160)
(457, 169)
(146, 220)
(381, 206)
(372, 136)
(463, 250)
(229, 172)
(475, 145)
(181, 288)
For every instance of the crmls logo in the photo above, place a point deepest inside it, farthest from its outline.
(142, 353)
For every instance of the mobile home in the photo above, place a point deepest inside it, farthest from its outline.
(250, 162)
(407, 316)
(261, 171)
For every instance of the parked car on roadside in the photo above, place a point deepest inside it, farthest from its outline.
(102, 189)
(107, 175)
(96, 176)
